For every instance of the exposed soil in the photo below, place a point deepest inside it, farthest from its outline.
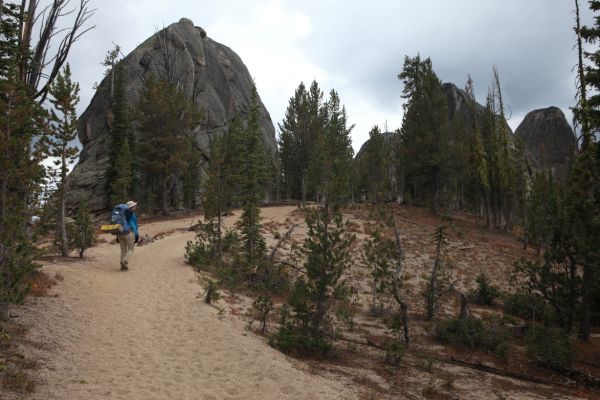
(145, 334)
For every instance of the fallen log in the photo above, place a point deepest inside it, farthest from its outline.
(501, 372)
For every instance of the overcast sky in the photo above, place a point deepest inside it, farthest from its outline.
(358, 47)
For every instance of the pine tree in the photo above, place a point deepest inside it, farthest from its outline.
(293, 144)
(478, 164)
(24, 85)
(233, 152)
(379, 255)
(121, 186)
(336, 154)
(64, 98)
(22, 148)
(122, 157)
(110, 61)
(584, 189)
(252, 178)
(216, 193)
(322, 292)
(425, 128)
(166, 118)
(438, 279)
(82, 234)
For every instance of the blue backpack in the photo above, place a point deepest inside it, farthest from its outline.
(119, 216)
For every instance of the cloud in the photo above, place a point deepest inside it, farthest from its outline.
(358, 48)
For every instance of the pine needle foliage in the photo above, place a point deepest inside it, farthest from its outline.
(82, 232)
(322, 296)
(64, 96)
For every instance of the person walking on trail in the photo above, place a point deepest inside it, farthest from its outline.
(131, 237)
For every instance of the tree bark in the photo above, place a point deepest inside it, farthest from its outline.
(404, 314)
(63, 188)
(396, 281)
(465, 312)
(165, 196)
(586, 303)
(303, 189)
(434, 198)
(582, 85)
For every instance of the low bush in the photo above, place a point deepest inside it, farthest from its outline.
(202, 252)
(292, 339)
(529, 306)
(81, 233)
(212, 292)
(549, 347)
(484, 294)
(489, 335)
(394, 351)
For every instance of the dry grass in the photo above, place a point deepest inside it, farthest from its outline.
(17, 381)
(40, 283)
(471, 250)
(16, 370)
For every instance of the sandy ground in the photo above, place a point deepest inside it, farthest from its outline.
(144, 334)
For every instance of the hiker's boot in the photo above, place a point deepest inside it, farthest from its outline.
(124, 266)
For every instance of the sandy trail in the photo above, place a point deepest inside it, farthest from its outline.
(143, 334)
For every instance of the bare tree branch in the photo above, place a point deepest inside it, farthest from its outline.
(48, 19)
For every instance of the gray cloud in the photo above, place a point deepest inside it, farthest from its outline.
(358, 47)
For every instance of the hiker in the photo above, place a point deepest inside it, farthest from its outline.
(128, 239)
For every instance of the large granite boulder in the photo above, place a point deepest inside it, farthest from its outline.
(209, 72)
(550, 140)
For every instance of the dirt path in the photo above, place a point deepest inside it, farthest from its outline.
(143, 334)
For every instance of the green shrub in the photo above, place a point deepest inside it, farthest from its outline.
(549, 347)
(490, 335)
(485, 294)
(528, 306)
(261, 308)
(15, 266)
(202, 252)
(321, 297)
(394, 351)
(212, 292)
(291, 339)
(81, 232)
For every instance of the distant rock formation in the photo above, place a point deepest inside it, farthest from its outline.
(207, 71)
(459, 106)
(550, 141)
(387, 139)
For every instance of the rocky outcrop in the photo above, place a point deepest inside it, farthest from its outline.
(459, 107)
(208, 72)
(387, 139)
(550, 140)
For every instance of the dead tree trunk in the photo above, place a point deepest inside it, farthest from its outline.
(464, 307)
(397, 280)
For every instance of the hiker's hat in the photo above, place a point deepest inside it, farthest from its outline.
(131, 204)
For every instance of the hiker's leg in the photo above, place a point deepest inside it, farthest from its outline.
(123, 244)
(130, 241)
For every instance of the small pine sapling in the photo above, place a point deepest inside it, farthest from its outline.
(318, 296)
(438, 282)
(378, 256)
(82, 234)
(485, 293)
(211, 292)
